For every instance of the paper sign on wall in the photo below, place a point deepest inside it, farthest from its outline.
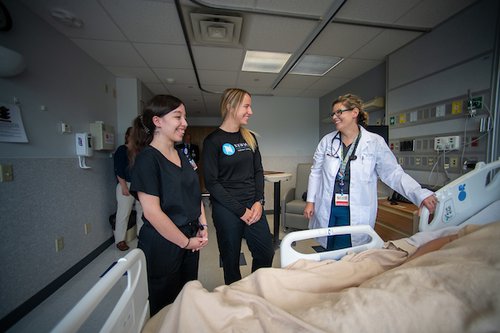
(11, 124)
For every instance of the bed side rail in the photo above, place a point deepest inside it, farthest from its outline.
(289, 255)
(464, 197)
(131, 310)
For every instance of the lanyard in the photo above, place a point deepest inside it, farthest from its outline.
(345, 160)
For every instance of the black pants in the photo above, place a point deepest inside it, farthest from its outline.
(169, 267)
(230, 231)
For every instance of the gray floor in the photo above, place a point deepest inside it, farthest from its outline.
(48, 314)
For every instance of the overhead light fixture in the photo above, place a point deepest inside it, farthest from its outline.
(316, 65)
(265, 62)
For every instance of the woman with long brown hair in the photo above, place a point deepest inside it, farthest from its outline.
(167, 186)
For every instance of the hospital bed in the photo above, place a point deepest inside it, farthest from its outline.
(456, 288)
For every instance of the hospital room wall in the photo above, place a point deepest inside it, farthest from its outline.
(287, 131)
(50, 196)
(455, 58)
(438, 67)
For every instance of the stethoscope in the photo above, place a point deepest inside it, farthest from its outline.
(336, 153)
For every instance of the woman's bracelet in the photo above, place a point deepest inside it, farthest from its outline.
(189, 239)
(203, 226)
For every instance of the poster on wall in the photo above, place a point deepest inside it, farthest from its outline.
(11, 124)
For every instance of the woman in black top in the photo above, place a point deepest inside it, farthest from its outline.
(234, 177)
(165, 183)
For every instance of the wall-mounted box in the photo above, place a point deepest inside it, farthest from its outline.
(104, 136)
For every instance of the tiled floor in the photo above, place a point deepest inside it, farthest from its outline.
(48, 314)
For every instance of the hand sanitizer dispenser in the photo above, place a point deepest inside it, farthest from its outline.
(83, 148)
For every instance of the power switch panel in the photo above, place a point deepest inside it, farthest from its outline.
(447, 143)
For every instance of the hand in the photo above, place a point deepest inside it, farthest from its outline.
(430, 203)
(256, 210)
(197, 243)
(247, 217)
(125, 191)
(309, 210)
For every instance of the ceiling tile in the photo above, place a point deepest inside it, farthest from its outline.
(157, 88)
(96, 22)
(251, 79)
(146, 21)
(184, 76)
(221, 78)
(183, 90)
(278, 34)
(377, 11)
(110, 53)
(165, 55)
(142, 73)
(218, 58)
(429, 13)
(342, 39)
(385, 43)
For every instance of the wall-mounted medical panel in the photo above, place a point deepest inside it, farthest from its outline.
(104, 136)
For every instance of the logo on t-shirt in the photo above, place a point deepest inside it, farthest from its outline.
(228, 149)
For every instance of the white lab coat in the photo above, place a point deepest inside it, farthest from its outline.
(374, 159)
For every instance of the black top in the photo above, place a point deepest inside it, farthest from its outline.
(233, 172)
(177, 188)
(120, 159)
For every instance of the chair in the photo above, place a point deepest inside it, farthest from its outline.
(293, 204)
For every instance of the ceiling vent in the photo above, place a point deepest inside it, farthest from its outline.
(216, 29)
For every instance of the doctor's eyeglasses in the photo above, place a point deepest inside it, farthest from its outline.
(339, 112)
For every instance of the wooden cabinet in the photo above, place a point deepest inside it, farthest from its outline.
(396, 221)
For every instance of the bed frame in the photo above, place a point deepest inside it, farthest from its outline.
(132, 309)
(458, 201)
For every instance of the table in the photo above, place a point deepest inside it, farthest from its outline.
(396, 221)
(276, 177)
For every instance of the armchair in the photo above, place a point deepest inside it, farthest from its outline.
(293, 204)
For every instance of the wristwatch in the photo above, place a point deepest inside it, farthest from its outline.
(262, 202)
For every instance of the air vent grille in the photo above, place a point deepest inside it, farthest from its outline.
(216, 29)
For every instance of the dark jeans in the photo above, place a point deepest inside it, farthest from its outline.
(339, 217)
(230, 231)
(169, 267)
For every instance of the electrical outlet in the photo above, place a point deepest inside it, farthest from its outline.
(59, 244)
(87, 227)
(65, 128)
(453, 162)
(447, 143)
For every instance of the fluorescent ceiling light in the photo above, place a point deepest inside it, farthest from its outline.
(315, 65)
(266, 62)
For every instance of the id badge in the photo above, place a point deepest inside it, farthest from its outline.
(341, 199)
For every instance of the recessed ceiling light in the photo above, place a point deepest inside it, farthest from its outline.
(66, 17)
(266, 62)
(316, 65)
